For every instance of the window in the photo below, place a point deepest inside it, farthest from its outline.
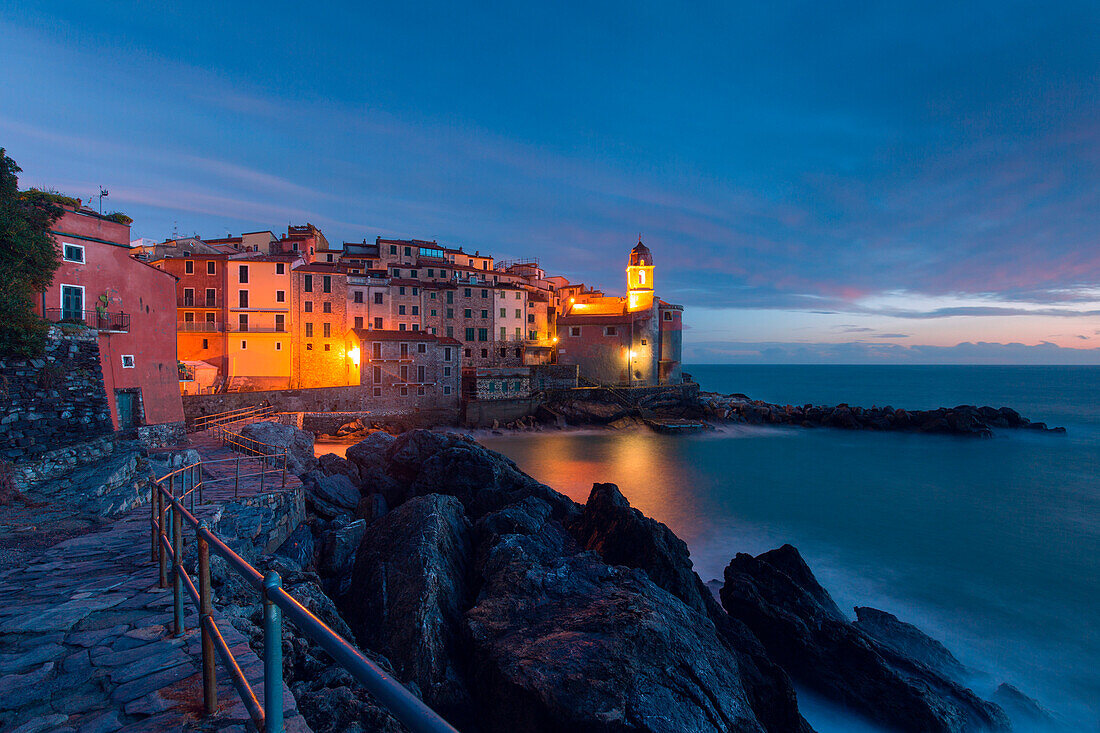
(357, 297)
(280, 268)
(641, 277)
(188, 297)
(443, 273)
(326, 307)
(188, 266)
(668, 315)
(408, 251)
(206, 343)
(413, 275)
(530, 317)
(416, 326)
(446, 389)
(519, 313)
(434, 312)
(377, 374)
(484, 313)
(644, 342)
(404, 374)
(309, 347)
(242, 274)
(400, 310)
(326, 283)
(468, 352)
(278, 345)
(378, 298)
(432, 295)
(307, 306)
(309, 330)
(431, 272)
(503, 312)
(450, 312)
(401, 290)
(420, 391)
(574, 330)
(503, 334)
(447, 354)
(280, 322)
(450, 296)
(518, 295)
(503, 352)
(468, 313)
(328, 347)
(210, 317)
(610, 331)
(450, 331)
(484, 353)
(211, 297)
(377, 392)
(188, 317)
(397, 272)
(483, 334)
(242, 298)
(446, 371)
(244, 345)
(378, 323)
(469, 334)
(376, 351)
(518, 333)
(416, 310)
(404, 391)
(468, 292)
(503, 295)
(327, 330)
(484, 293)
(393, 249)
(211, 267)
(307, 283)
(421, 348)
(242, 321)
(280, 296)
(404, 351)
(358, 322)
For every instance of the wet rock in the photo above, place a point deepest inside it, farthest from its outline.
(571, 643)
(337, 554)
(298, 444)
(372, 507)
(777, 597)
(1024, 711)
(622, 535)
(908, 641)
(330, 495)
(408, 591)
(299, 546)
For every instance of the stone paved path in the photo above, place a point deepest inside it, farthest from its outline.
(86, 642)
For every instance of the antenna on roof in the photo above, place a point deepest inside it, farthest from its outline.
(103, 193)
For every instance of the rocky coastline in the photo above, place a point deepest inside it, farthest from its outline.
(507, 606)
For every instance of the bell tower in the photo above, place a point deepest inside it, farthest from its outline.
(639, 279)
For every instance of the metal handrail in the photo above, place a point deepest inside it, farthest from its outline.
(230, 417)
(404, 706)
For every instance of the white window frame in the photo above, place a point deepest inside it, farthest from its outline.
(83, 259)
(129, 357)
(61, 292)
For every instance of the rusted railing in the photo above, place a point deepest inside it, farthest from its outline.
(232, 417)
(168, 510)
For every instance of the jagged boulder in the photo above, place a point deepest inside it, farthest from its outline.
(778, 598)
(1025, 712)
(408, 591)
(299, 547)
(332, 464)
(330, 496)
(337, 553)
(568, 642)
(371, 457)
(298, 444)
(622, 535)
(908, 641)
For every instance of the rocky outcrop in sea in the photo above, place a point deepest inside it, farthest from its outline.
(508, 607)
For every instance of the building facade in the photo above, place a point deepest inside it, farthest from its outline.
(406, 370)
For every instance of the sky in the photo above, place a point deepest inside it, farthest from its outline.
(819, 182)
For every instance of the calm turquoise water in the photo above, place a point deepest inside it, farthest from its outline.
(992, 546)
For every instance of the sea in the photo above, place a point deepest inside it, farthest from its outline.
(990, 546)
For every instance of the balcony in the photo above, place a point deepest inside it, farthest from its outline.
(99, 320)
(238, 328)
(200, 326)
(195, 302)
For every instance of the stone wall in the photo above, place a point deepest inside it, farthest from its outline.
(61, 462)
(483, 413)
(54, 401)
(321, 423)
(164, 435)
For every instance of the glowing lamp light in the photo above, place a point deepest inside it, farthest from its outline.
(353, 354)
(555, 339)
(633, 354)
(572, 300)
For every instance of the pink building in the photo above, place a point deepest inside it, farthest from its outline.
(132, 306)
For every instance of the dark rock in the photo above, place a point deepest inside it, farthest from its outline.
(777, 597)
(340, 709)
(1024, 711)
(299, 547)
(908, 641)
(298, 444)
(622, 535)
(408, 590)
(337, 556)
(569, 643)
(330, 496)
(331, 464)
(372, 507)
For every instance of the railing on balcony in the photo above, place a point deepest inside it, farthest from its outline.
(196, 302)
(254, 328)
(100, 320)
(200, 326)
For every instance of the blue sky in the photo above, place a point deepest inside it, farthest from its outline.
(852, 182)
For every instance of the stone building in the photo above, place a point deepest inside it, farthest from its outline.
(629, 341)
(404, 370)
(319, 354)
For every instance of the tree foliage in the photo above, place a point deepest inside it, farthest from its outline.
(28, 259)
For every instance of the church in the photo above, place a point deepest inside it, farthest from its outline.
(631, 341)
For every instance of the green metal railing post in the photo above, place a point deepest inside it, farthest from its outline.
(206, 610)
(177, 566)
(284, 469)
(153, 521)
(273, 658)
(237, 478)
(161, 535)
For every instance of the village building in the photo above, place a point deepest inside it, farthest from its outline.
(132, 308)
(634, 340)
(405, 370)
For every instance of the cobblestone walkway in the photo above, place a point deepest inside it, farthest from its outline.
(86, 641)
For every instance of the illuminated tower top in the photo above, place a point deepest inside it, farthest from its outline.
(639, 278)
